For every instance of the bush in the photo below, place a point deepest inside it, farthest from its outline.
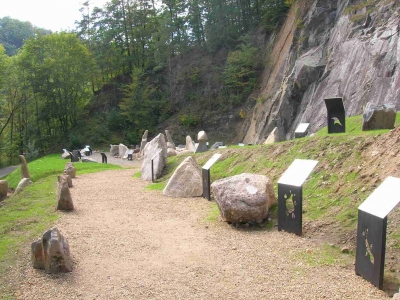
(188, 120)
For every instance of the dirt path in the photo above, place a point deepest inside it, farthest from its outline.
(131, 243)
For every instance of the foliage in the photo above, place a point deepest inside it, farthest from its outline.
(242, 68)
(188, 120)
(158, 186)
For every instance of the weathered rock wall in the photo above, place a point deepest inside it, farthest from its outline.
(324, 50)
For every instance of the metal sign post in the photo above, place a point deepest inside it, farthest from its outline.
(290, 195)
(371, 230)
(206, 175)
(336, 115)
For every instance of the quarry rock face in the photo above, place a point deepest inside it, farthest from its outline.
(157, 149)
(244, 198)
(186, 180)
(354, 55)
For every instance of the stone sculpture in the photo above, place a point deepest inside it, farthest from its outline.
(186, 180)
(70, 170)
(24, 167)
(244, 198)
(379, 116)
(64, 199)
(273, 137)
(144, 142)
(156, 149)
(170, 142)
(51, 253)
(190, 144)
(202, 139)
(22, 185)
(3, 189)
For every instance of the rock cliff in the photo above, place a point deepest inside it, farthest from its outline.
(327, 48)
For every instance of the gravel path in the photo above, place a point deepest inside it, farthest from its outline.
(130, 243)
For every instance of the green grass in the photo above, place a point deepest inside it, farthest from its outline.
(354, 127)
(213, 214)
(54, 165)
(157, 186)
(137, 175)
(325, 256)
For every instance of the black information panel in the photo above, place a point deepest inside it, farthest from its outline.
(336, 115)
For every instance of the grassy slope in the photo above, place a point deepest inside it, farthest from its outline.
(23, 217)
(341, 181)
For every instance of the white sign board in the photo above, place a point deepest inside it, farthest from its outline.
(211, 161)
(298, 172)
(383, 199)
(241, 144)
(302, 127)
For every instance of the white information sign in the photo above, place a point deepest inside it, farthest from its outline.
(211, 161)
(298, 172)
(381, 202)
(302, 127)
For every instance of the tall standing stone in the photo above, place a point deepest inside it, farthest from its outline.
(122, 150)
(64, 199)
(157, 149)
(3, 189)
(24, 167)
(70, 170)
(190, 144)
(114, 150)
(170, 142)
(202, 139)
(144, 142)
(22, 185)
(51, 253)
(273, 137)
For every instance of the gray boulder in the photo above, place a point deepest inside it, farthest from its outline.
(190, 144)
(244, 198)
(157, 149)
(51, 253)
(3, 189)
(186, 180)
(66, 178)
(88, 159)
(24, 167)
(379, 116)
(64, 199)
(171, 152)
(122, 149)
(22, 185)
(70, 170)
(114, 150)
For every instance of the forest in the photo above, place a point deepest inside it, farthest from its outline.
(111, 78)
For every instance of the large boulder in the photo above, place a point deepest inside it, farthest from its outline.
(122, 150)
(273, 137)
(190, 146)
(70, 170)
(3, 189)
(51, 253)
(244, 198)
(170, 142)
(88, 159)
(379, 116)
(114, 150)
(186, 180)
(24, 167)
(156, 149)
(22, 185)
(202, 139)
(64, 199)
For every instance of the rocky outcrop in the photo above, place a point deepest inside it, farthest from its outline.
(244, 198)
(24, 167)
(3, 189)
(327, 49)
(51, 253)
(156, 149)
(22, 185)
(186, 180)
(70, 170)
(64, 199)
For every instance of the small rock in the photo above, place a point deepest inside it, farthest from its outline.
(309, 250)
(345, 250)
